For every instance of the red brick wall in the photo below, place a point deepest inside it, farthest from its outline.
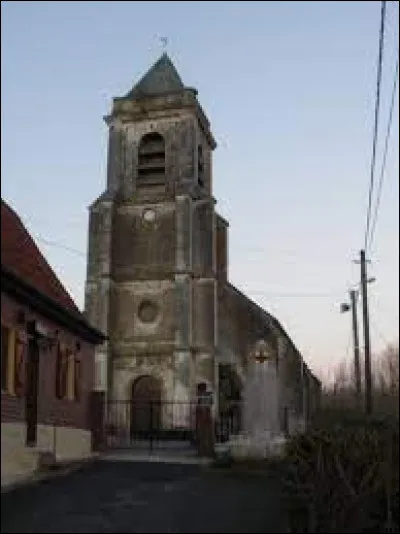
(12, 408)
(51, 410)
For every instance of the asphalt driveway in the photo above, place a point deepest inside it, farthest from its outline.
(145, 497)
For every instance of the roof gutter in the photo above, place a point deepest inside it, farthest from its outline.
(23, 291)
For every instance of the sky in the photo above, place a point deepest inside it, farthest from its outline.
(289, 89)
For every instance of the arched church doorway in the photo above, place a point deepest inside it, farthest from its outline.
(145, 406)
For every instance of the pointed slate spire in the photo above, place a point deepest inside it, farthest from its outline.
(162, 78)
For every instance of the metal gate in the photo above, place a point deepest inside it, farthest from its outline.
(150, 425)
(229, 421)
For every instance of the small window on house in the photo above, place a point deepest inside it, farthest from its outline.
(200, 166)
(74, 375)
(151, 160)
(68, 373)
(77, 377)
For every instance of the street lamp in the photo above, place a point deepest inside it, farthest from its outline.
(345, 306)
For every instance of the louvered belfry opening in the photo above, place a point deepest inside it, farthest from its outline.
(151, 168)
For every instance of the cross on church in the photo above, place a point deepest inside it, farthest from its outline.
(260, 356)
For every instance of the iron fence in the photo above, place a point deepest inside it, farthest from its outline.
(229, 420)
(150, 424)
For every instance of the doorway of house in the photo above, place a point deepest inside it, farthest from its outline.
(31, 398)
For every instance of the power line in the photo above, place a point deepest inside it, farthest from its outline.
(60, 245)
(292, 295)
(376, 119)
(381, 309)
(249, 291)
(379, 332)
(57, 244)
(383, 168)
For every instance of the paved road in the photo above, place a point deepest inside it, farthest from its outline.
(147, 498)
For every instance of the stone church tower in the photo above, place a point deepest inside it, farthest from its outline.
(157, 278)
(152, 263)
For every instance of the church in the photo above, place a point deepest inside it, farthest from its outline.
(157, 276)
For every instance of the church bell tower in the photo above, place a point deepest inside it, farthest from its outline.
(151, 279)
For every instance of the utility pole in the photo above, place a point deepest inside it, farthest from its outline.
(367, 344)
(356, 343)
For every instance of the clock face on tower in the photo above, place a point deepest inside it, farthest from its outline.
(149, 215)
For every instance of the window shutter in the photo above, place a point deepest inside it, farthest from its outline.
(61, 371)
(4, 357)
(20, 357)
(77, 377)
(58, 372)
(70, 356)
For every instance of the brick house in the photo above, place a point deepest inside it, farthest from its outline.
(47, 359)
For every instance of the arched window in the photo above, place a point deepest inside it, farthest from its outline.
(151, 164)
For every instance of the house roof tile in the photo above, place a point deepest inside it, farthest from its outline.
(21, 256)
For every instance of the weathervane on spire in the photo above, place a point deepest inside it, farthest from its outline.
(164, 42)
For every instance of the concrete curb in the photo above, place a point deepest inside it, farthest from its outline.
(146, 458)
(61, 469)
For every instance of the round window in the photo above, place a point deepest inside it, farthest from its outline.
(148, 311)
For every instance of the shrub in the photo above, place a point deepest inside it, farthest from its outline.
(343, 475)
